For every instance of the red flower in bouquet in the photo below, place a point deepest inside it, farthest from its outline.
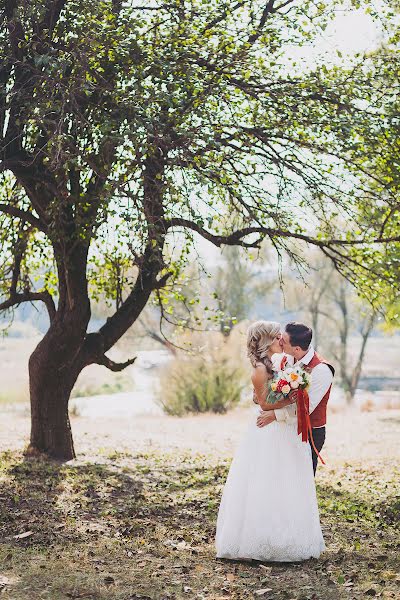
(281, 384)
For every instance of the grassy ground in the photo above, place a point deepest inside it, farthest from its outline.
(137, 526)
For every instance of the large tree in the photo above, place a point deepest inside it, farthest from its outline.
(129, 128)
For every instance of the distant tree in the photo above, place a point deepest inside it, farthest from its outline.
(126, 129)
(350, 366)
(330, 304)
(237, 285)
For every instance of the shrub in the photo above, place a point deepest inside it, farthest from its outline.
(204, 383)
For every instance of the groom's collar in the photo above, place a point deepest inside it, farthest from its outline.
(307, 357)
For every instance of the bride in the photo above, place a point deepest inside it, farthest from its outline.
(269, 508)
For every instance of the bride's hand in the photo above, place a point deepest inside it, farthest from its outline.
(265, 418)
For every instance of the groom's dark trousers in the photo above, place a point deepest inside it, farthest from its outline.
(318, 434)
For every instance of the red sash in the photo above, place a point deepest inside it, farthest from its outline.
(303, 420)
(303, 414)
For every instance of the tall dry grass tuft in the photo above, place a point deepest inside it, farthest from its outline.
(367, 406)
(209, 378)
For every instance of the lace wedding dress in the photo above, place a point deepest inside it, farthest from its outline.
(269, 508)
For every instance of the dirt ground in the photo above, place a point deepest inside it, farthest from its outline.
(133, 518)
(369, 438)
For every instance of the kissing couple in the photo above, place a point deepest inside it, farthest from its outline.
(269, 509)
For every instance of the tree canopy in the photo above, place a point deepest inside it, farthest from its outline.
(106, 104)
(129, 129)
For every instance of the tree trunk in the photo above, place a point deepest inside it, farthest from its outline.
(315, 322)
(355, 377)
(52, 375)
(349, 395)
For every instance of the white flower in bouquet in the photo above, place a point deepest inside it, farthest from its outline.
(287, 380)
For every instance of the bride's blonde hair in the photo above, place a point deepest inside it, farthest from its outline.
(260, 336)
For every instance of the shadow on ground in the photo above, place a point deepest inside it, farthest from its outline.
(143, 527)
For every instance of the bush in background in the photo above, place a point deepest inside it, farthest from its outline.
(210, 380)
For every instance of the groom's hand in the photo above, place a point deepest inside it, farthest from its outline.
(265, 418)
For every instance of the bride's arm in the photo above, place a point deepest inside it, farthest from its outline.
(260, 378)
(291, 399)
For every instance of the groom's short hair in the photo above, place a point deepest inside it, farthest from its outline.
(299, 334)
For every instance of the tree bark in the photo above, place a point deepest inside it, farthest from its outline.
(55, 363)
(51, 380)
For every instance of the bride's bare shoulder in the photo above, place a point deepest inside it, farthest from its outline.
(259, 373)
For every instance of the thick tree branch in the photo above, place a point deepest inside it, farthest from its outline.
(17, 299)
(23, 215)
(236, 238)
(113, 366)
(52, 15)
(221, 17)
(150, 264)
(268, 9)
(267, 12)
(233, 239)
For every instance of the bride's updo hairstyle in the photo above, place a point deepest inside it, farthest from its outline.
(260, 336)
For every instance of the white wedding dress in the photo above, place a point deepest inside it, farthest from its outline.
(269, 509)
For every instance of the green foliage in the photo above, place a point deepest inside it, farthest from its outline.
(119, 383)
(242, 136)
(199, 384)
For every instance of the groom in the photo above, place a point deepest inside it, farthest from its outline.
(296, 342)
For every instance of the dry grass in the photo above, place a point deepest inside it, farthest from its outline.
(137, 526)
(200, 384)
(15, 395)
(367, 406)
(14, 356)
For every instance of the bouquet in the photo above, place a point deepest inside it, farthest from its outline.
(287, 380)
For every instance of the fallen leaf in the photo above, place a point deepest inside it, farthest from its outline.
(20, 536)
(230, 577)
(76, 595)
(263, 591)
(389, 574)
(199, 569)
(181, 545)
